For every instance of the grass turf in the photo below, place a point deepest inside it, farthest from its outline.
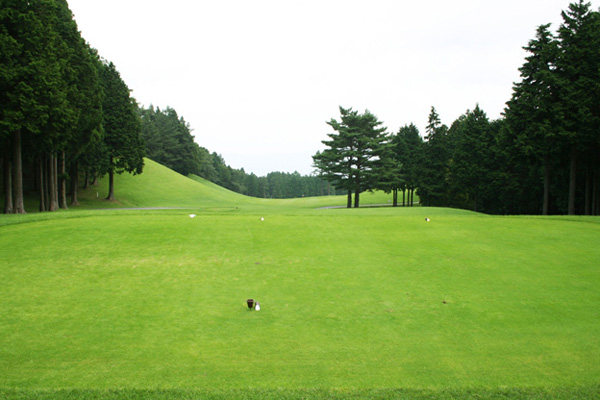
(580, 393)
(152, 303)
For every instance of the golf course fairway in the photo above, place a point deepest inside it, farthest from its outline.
(355, 303)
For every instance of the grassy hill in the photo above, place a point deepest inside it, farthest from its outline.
(159, 186)
(367, 303)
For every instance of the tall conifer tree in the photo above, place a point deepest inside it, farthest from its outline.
(122, 127)
(355, 154)
(578, 68)
(534, 114)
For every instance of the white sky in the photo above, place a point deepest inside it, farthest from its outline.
(257, 80)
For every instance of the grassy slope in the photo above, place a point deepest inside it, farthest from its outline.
(352, 299)
(160, 187)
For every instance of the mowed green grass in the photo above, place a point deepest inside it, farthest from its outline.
(352, 300)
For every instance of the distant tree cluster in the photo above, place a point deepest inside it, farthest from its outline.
(275, 185)
(64, 112)
(169, 141)
(542, 157)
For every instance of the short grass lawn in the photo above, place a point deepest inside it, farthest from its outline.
(350, 300)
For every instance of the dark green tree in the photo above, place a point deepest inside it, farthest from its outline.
(353, 159)
(413, 144)
(169, 140)
(391, 176)
(82, 115)
(403, 171)
(88, 131)
(207, 169)
(435, 163)
(534, 114)
(31, 97)
(334, 163)
(578, 67)
(472, 159)
(122, 127)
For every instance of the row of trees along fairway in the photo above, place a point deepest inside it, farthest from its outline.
(63, 110)
(542, 156)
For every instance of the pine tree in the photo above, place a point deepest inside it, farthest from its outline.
(472, 159)
(407, 146)
(578, 67)
(435, 162)
(354, 157)
(169, 141)
(534, 114)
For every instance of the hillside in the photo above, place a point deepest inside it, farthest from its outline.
(159, 186)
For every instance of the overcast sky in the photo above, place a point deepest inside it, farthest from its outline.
(257, 80)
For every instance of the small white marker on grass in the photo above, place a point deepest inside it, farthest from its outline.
(262, 218)
(192, 215)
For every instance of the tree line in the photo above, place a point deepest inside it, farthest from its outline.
(64, 111)
(66, 115)
(541, 157)
(169, 141)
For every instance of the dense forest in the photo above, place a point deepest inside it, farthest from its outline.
(541, 157)
(64, 111)
(67, 119)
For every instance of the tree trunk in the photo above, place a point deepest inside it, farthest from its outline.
(19, 205)
(111, 186)
(74, 183)
(349, 201)
(52, 184)
(546, 201)
(86, 182)
(403, 197)
(395, 197)
(42, 187)
(572, 181)
(411, 192)
(55, 177)
(63, 183)
(45, 186)
(8, 196)
(596, 193)
(356, 199)
(588, 191)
